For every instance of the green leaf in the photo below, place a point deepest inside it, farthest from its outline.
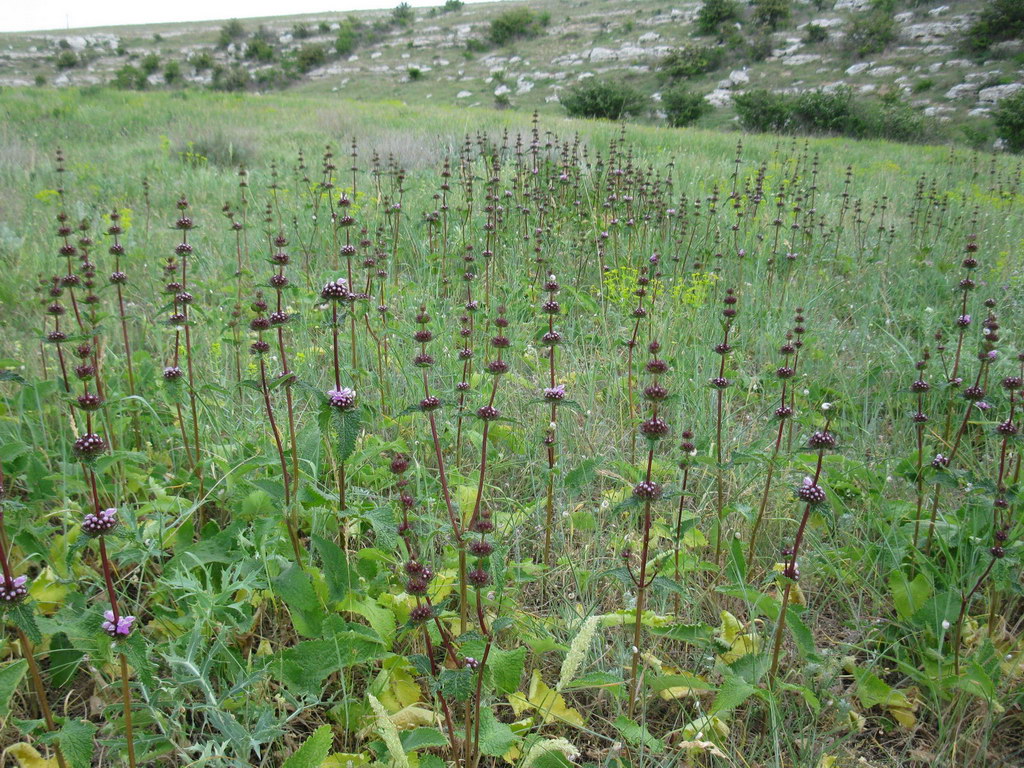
(340, 578)
(135, 650)
(694, 634)
(507, 668)
(23, 618)
(10, 676)
(294, 587)
(638, 735)
(733, 692)
(76, 742)
(456, 683)
(582, 475)
(495, 736)
(383, 522)
(909, 596)
(802, 636)
(348, 431)
(313, 751)
(64, 660)
(737, 562)
(422, 738)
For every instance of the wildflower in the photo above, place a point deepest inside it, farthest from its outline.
(121, 626)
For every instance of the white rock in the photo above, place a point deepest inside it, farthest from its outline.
(963, 91)
(869, 88)
(463, 94)
(856, 69)
(285, 38)
(718, 98)
(375, 55)
(656, 97)
(903, 18)
(852, 5)
(501, 90)
(979, 112)
(824, 23)
(77, 43)
(649, 37)
(882, 71)
(802, 58)
(739, 77)
(997, 93)
(938, 11)
(602, 54)
(553, 99)
(524, 86)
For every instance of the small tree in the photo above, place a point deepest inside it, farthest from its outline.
(66, 59)
(999, 20)
(714, 13)
(683, 107)
(605, 99)
(771, 13)
(1009, 120)
(516, 23)
(403, 15)
(230, 32)
(172, 72)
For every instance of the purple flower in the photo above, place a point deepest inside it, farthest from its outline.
(13, 591)
(120, 627)
(810, 492)
(343, 399)
(99, 523)
(556, 392)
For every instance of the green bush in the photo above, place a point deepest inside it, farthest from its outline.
(815, 33)
(230, 79)
(201, 61)
(230, 32)
(771, 13)
(129, 78)
(605, 99)
(301, 31)
(309, 57)
(516, 23)
(172, 72)
(1009, 119)
(403, 15)
(66, 60)
(452, 5)
(683, 107)
(150, 63)
(690, 61)
(347, 39)
(871, 31)
(763, 111)
(714, 13)
(999, 20)
(259, 49)
(823, 111)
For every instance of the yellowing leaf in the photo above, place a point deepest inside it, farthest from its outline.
(395, 686)
(707, 747)
(28, 757)
(412, 717)
(796, 595)
(742, 643)
(548, 704)
(826, 761)
(703, 727)
(48, 592)
(346, 760)
(731, 627)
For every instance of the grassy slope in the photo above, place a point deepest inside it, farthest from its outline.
(870, 311)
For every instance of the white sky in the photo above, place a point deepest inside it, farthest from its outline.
(23, 16)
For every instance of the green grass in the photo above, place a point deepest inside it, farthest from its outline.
(236, 636)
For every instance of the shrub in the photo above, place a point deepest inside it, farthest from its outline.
(172, 72)
(815, 33)
(415, 73)
(514, 24)
(323, 27)
(301, 31)
(260, 49)
(475, 45)
(770, 13)
(230, 32)
(403, 15)
(150, 63)
(129, 78)
(40, 80)
(347, 38)
(1009, 120)
(714, 13)
(230, 79)
(66, 59)
(201, 61)
(309, 56)
(763, 111)
(683, 107)
(871, 31)
(605, 99)
(452, 5)
(690, 61)
(999, 20)
(822, 111)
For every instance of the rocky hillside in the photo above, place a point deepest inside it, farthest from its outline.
(449, 55)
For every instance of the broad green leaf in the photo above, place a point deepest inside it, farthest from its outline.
(909, 596)
(340, 578)
(638, 735)
(733, 692)
(313, 751)
(10, 676)
(422, 738)
(507, 668)
(495, 736)
(294, 587)
(457, 684)
(76, 742)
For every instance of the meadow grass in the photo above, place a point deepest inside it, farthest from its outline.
(239, 651)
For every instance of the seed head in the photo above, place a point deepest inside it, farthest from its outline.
(89, 446)
(488, 413)
(647, 490)
(821, 440)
